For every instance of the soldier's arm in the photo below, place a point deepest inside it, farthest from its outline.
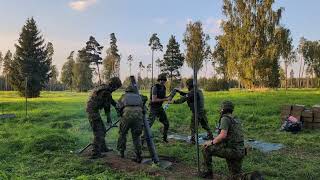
(181, 100)
(107, 108)
(225, 124)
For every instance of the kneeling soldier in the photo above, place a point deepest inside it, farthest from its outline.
(132, 109)
(229, 144)
(202, 116)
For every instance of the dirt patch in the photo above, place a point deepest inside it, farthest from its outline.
(178, 170)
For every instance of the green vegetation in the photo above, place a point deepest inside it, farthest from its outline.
(42, 146)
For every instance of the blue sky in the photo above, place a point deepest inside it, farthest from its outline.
(69, 23)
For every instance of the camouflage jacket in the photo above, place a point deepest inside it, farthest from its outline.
(190, 100)
(100, 98)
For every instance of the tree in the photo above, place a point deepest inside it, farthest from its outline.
(141, 68)
(291, 77)
(130, 60)
(53, 80)
(7, 60)
(310, 55)
(196, 43)
(111, 63)
(196, 51)
(158, 62)
(155, 45)
(287, 52)
(149, 69)
(251, 40)
(67, 76)
(300, 49)
(32, 61)
(93, 51)
(172, 60)
(1, 60)
(219, 60)
(82, 72)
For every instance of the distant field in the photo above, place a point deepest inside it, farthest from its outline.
(42, 145)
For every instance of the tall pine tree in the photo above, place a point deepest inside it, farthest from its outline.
(111, 62)
(172, 61)
(93, 52)
(82, 72)
(7, 61)
(67, 75)
(30, 62)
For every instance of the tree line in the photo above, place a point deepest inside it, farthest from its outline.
(247, 54)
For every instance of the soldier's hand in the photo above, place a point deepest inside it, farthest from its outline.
(207, 144)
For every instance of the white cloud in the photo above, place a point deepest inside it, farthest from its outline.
(212, 25)
(160, 20)
(81, 5)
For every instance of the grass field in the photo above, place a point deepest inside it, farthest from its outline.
(42, 145)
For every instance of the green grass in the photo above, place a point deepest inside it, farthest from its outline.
(42, 145)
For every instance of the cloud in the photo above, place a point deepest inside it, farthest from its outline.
(160, 20)
(81, 5)
(212, 25)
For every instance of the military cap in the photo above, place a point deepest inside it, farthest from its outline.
(162, 76)
(115, 82)
(227, 105)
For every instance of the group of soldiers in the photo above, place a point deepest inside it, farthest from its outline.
(131, 107)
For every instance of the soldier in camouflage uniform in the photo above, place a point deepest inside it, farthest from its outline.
(202, 116)
(157, 97)
(132, 108)
(229, 143)
(101, 98)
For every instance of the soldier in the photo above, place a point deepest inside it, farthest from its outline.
(228, 144)
(132, 108)
(101, 97)
(157, 97)
(202, 116)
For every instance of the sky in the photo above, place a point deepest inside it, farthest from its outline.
(69, 23)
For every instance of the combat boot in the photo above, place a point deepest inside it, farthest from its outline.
(193, 140)
(122, 154)
(106, 149)
(165, 138)
(97, 155)
(138, 158)
(206, 174)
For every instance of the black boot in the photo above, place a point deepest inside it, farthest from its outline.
(206, 174)
(165, 138)
(122, 154)
(106, 149)
(193, 140)
(138, 158)
(97, 155)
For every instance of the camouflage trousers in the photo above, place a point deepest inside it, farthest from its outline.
(203, 120)
(99, 132)
(131, 120)
(159, 112)
(234, 157)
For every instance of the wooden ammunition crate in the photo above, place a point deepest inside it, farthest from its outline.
(297, 111)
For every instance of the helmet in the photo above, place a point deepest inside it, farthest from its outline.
(189, 82)
(227, 105)
(115, 82)
(130, 89)
(162, 76)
